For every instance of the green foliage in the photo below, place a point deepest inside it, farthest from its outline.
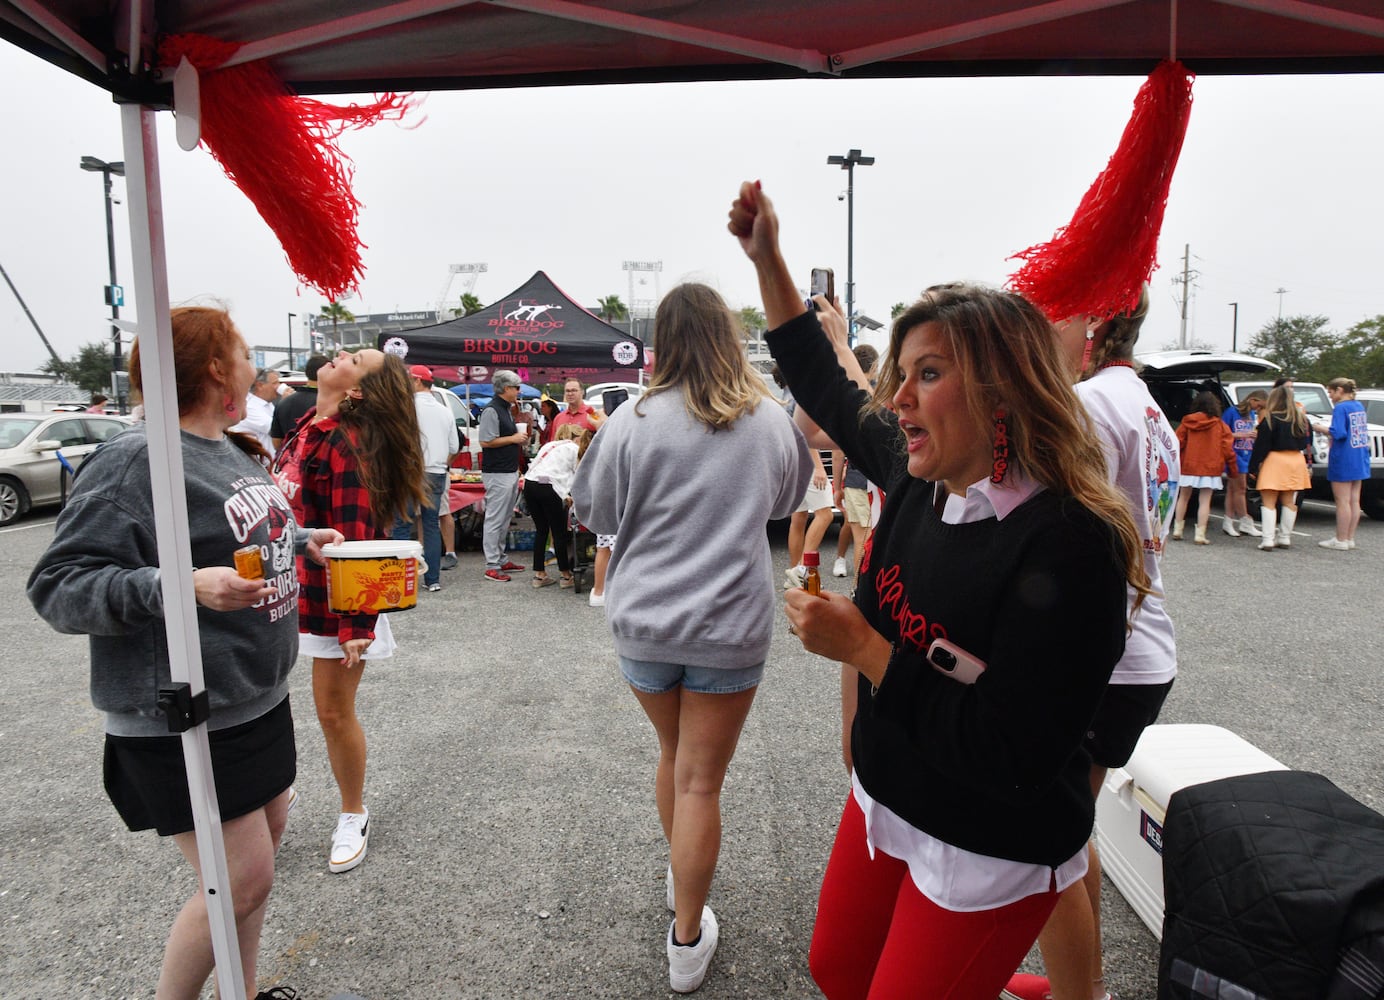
(1294, 343)
(338, 313)
(898, 310)
(90, 369)
(611, 308)
(1357, 354)
(469, 304)
(753, 321)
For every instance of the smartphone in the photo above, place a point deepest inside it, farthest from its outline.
(823, 283)
(612, 398)
(950, 659)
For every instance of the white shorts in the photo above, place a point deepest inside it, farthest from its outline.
(814, 500)
(325, 647)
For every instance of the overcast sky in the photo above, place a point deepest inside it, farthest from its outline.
(1278, 187)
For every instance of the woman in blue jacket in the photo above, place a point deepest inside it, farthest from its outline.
(1349, 462)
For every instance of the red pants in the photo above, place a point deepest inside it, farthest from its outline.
(878, 938)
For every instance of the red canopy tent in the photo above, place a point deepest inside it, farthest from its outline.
(352, 46)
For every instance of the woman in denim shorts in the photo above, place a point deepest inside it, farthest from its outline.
(687, 477)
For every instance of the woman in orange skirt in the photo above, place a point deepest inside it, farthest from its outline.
(1277, 465)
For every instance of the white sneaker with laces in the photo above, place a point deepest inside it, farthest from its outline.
(1335, 543)
(687, 964)
(350, 841)
(838, 568)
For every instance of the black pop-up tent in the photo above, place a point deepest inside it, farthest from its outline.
(535, 330)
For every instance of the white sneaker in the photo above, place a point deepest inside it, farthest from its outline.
(350, 841)
(1335, 543)
(687, 964)
(793, 577)
(596, 600)
(1350, 544)
(671, 907)
(838, 568)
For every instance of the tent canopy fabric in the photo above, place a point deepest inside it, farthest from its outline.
(536, 330)
(329, 46)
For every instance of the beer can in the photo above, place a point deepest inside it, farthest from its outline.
(248, 563)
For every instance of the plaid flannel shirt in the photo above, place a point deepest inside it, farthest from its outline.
(319, 473)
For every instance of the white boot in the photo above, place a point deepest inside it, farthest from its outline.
(1286, 519)
(1248, 527)
(1269, 517)
(1228, 526)
(1177, 530)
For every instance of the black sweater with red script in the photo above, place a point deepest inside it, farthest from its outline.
(994, 767)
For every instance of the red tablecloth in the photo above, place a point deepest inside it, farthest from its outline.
(463, 495)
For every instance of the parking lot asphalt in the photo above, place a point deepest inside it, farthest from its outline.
(515, 850)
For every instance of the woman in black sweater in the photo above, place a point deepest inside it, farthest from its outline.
(1001, 542)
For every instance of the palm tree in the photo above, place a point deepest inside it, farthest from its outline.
(752, 321)
(336, 312)
(612, 308)
(469, 304)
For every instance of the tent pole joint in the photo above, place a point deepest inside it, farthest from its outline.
(183, 708)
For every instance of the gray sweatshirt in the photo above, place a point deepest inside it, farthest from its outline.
(690, 579)
(100, 577)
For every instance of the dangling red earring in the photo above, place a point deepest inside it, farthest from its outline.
(1086, 351)
(1001, 462)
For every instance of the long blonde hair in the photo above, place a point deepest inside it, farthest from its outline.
(1010, 360)
(699, 350)
(1282, 406)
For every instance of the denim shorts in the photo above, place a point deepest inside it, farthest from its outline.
(659, 678)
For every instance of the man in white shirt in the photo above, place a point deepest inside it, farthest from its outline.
(259, 408)
(437, 432)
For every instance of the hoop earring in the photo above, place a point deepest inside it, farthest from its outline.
(1001, 450)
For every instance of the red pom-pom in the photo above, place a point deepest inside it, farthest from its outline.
(281, 150)
(1098, 263)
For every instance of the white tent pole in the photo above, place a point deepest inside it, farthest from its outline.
(963, 32)
(808, 60)
(170, 521)
(1314, 14)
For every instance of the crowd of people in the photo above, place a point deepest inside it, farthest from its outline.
(1008, 487)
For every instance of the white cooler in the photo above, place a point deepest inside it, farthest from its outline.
(1134, 800)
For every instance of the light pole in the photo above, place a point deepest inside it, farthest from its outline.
(291, 318)
(113, 298)
(848, 164)
(1234, 325)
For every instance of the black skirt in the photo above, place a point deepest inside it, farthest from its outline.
(146, 777)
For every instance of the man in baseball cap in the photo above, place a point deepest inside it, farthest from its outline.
(422, 373)
(501, 439)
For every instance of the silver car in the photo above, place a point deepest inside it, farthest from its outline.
(30, 472)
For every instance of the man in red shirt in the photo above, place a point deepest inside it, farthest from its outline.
(577, 411)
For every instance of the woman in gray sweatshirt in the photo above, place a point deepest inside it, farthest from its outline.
(687, 477)
(100, 577)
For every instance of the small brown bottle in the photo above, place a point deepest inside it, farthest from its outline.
(812, 581)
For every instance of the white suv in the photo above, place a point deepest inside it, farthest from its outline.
(1314, 399)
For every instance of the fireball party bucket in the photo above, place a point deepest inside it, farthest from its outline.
(373, 577)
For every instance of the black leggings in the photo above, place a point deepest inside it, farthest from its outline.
(549, 515)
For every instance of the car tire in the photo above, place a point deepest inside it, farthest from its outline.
(1372, 505)
(14, 499)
